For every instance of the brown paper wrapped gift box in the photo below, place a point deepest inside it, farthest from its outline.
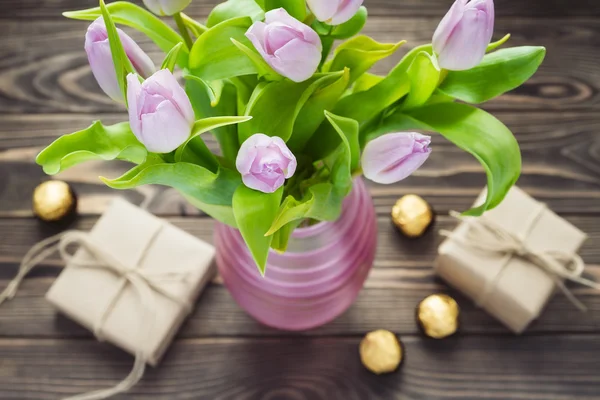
(107, 303)
(507, 286)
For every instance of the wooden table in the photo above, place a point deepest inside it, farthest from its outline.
(46, 89)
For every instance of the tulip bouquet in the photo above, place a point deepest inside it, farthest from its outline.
(297, 116)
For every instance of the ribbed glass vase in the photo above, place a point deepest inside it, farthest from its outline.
(319, 276)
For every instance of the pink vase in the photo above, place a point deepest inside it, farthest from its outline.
(316, 280)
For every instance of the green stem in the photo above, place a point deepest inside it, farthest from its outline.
(327, 42)
(183, 30)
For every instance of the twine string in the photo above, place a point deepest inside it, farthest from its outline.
(145, 284)
(486, 236)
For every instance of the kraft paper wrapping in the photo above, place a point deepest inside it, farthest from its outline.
(136, 239)
(509, 287)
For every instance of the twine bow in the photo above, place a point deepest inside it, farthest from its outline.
(144, 282)
(486, 236)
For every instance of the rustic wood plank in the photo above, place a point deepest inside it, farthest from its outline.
(402, 276)
(465, 368)
(403, 8)
(561, 153)
(44, 68)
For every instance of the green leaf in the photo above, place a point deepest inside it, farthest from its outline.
(324, 200)
(204, 125)
(276, 105)
(245, 86)
(171, 58)
(296, 8)
(281, 238)
(121, 62)
(347, 130)
(312, 113)
(351, 27)
(263, 69)
(212, 193)
(214, 56)
(365, 105)
(474, 131)
(424, 76)
(366, 82)
(213, 89)
(136, 17)
(254, 213)
(98, 142)
(360, 54)
(194, 26)
(493, 46)
(233, 9)
(202, 97)
(499, 72)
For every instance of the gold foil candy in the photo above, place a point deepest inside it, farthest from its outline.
(437, 316)
(412, 215)
(381, 352)
(53, 201)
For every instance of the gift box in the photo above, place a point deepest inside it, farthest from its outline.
(133, 280)
(510, 260)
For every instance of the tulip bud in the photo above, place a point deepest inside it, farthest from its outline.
(166, 7)
(160, 112)
(461, 39)
(287, 45)
(334, 12)
(97, 48)
(393, 157)
(265, 163)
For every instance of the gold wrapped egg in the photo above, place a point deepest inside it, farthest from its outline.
(53, 201)
(381, 352)
(437, 316)
(412, 215)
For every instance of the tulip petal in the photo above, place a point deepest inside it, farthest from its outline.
(164, 130)
(280, 15)
(164, 83)
(256, 35)
(467, 45)
(134, 89)
(324, 10)
(256, 183)
(346, 11)
(139, 59)
(291, 167)
(395, 156)
(265, 162)
(97, 47)
(297, 60)
(447, 25)
(103, 69)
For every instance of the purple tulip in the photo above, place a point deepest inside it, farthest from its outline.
(334, 12)
(287, 45)
(166, 7)
(461, 39)
(393, 157)
(160, 112)
(265, 162)
(97, 48)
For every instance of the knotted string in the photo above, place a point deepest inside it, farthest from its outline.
(486, 236)
(143, 282)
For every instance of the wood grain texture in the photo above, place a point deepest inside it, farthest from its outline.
(402, 276)
(44, 69)
(396, 8)
(46, 89)
(473, 368)
(561, 166)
